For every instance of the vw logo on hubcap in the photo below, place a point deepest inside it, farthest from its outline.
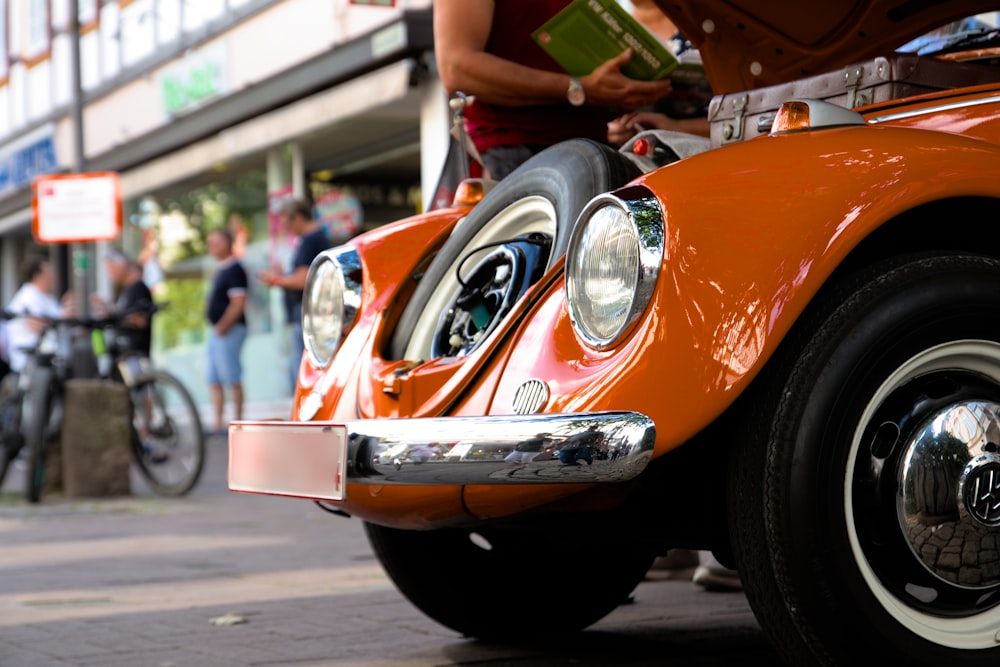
(982, 490)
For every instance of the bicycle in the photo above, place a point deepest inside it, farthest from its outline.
(166, 436)
(11, 439)
(13, 389)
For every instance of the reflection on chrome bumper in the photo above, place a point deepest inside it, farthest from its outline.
(575, 448)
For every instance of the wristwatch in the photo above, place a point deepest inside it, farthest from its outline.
(575, 93)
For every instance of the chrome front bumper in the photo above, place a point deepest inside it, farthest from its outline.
(317, 459)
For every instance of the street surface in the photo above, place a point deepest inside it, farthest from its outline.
(219, 579)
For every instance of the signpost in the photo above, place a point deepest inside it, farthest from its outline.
(76, 208)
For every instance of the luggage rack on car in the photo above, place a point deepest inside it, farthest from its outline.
(744, 115)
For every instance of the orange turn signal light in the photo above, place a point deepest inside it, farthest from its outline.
(791, 116)
(469, 192)
(806, 114)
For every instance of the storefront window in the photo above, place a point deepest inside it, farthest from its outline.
(4, 47)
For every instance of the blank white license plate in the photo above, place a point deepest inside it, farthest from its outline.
(301, 459)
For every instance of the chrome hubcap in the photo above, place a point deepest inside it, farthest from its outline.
(920, 494)
(949, 501)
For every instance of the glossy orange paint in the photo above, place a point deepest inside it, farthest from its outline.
(387, 274)
(945, 112)
(415, 389)
(753, 230)
(743, 258)
(387, 277)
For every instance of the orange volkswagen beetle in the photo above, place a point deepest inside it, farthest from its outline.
(782, 344)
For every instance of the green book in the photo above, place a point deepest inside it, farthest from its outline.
(588, 33)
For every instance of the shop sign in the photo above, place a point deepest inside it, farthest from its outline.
(199, 77)
(339, 212)
(279, 240)
(20, 165)
(72, 208)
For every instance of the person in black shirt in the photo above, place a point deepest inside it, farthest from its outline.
(225, 312)
(133, 298)
(312, 240)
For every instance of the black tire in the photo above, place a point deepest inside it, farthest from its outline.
(167, 438)
(563, 578)
(11, 438)
(7, 455)
(36, 412)
(543, 196)
(849, 403)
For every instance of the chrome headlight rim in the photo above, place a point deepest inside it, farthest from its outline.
(341, 265)
(642, 210)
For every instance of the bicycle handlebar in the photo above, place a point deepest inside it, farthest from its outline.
(91, 322)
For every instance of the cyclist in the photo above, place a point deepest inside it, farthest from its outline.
(134, 297)
(133, 333)
(33, 301)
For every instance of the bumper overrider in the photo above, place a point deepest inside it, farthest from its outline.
(318, 459)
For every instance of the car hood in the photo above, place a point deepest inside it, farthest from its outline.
(747, 44)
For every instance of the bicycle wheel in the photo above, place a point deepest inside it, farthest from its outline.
(35, 412)
(11, 439)
(167, 441)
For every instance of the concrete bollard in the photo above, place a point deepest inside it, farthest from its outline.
(96, 432)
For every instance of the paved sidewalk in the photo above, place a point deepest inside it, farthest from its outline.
(218, 579)
(256, 410)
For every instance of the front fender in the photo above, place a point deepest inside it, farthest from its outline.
(752, 232)
(390, 256)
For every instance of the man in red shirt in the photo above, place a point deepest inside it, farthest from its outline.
(524, 100)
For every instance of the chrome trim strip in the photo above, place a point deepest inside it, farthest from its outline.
(477, 450)
(482, 450)
(929, 110)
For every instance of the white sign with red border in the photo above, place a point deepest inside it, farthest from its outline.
(73, 208)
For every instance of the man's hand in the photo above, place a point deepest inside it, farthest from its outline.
(628, 125)
(268, 277)
(99, 306)
(36, 324)
(607, 86)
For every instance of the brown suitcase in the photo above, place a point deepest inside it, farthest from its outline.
(738, 116)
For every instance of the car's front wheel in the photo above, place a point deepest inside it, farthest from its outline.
(489, 581)
(865, 513)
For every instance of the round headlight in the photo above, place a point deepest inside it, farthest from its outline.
(329, 303)
(612, 263)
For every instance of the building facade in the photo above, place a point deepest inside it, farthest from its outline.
(211, 112)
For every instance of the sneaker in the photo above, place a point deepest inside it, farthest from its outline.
(713, 576)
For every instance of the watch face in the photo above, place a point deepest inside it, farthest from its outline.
(575, 94)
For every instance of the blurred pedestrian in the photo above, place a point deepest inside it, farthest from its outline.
(132, 296)
(311, 240)
(35, 303)
(524, 101)
(149, 259)
(226, 314)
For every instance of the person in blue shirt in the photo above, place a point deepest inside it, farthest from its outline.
(312, 239)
